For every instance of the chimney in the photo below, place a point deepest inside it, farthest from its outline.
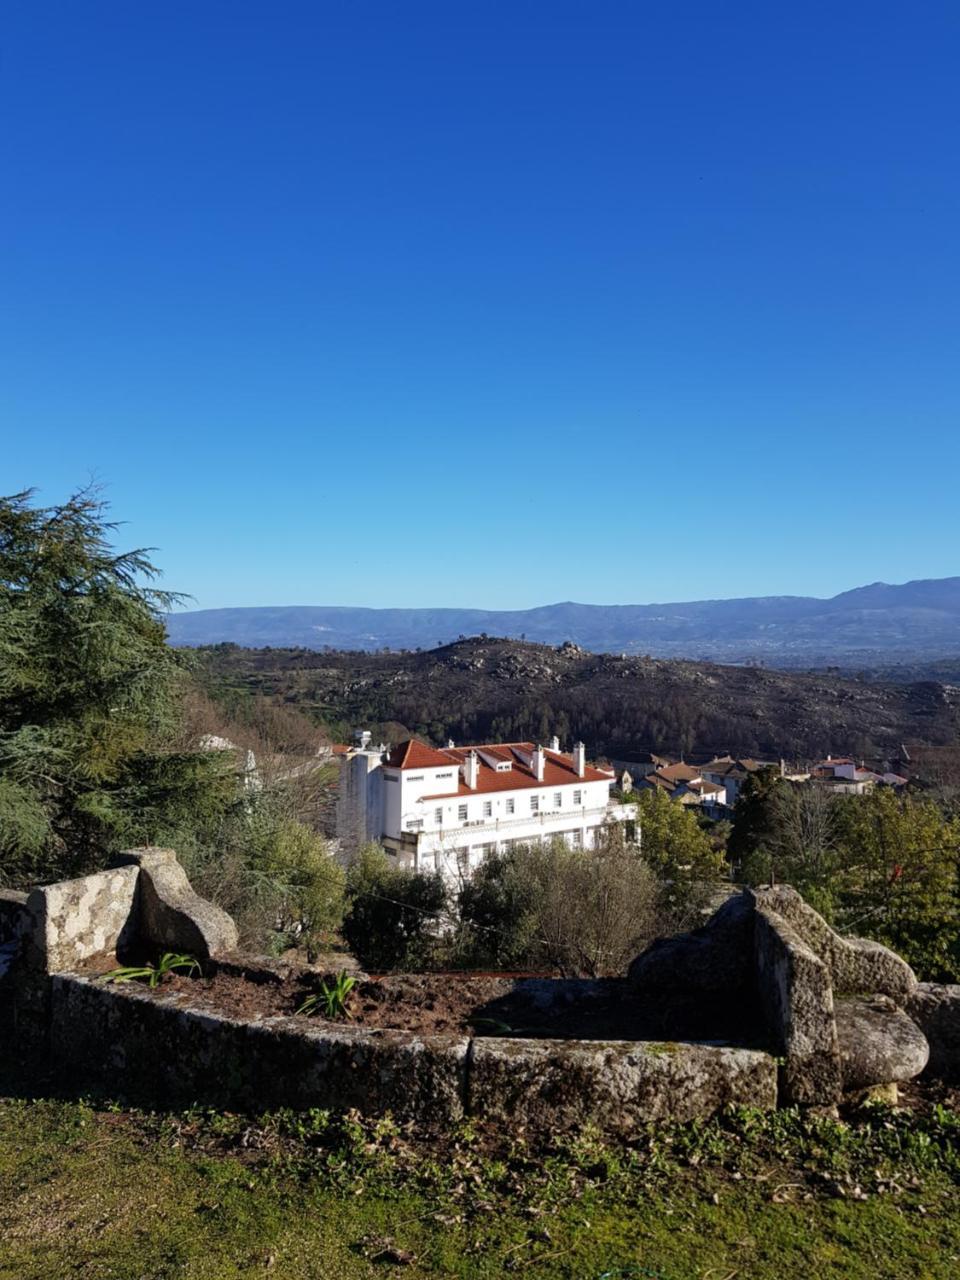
(538, 763)
(363, 738)
(579, 759)
(450, 744)
(471, 770)
(554, 743)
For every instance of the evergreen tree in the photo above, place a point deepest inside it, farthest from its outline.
(90, 696)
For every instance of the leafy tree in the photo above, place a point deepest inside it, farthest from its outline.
(273, 874)
(497, 918)
(673, 842)
(549, 906)
(89, 698)
(394, 916)
(898, 881)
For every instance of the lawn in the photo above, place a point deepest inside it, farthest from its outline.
(96, 1191)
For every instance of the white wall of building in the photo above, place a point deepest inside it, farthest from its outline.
(414, 815)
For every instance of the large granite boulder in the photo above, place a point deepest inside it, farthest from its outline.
(878, 1043)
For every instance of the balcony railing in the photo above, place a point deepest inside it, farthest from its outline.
(473, 826)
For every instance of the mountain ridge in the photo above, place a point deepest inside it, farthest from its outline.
(872, 622)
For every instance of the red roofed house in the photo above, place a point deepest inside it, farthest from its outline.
(446, 809)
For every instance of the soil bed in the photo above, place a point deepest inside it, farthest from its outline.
(460, 1003)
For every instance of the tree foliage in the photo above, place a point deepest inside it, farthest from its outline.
(586, 912)
(883, 865)
(673, 842)
(394, 916)
(898, 859)
(89, 697)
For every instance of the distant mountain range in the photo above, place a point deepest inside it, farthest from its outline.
(876, 623)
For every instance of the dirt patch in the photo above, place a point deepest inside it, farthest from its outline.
(465, 1004)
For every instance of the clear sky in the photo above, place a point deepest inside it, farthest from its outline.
(488, 302)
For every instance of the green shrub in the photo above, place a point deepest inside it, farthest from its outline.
(395, 918)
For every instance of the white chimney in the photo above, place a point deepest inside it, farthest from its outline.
(579, 759)
(450, 744)
(554, 743)
(471, 770)
(363, 738)
(538, 763)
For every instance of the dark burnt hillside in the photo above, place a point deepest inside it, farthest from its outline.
(483, 689)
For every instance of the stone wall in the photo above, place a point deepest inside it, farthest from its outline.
(154, 1047)
(831, 1008)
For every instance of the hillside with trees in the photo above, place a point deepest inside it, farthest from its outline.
(484, 689)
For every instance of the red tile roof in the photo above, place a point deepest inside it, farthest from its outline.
(558, 768)
(415, 755)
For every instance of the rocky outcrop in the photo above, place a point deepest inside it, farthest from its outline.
(829, 1003)
(173, 917)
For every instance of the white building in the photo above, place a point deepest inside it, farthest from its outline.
(447, 809)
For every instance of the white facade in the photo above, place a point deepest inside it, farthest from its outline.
(447, 810)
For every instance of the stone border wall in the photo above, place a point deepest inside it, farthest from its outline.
(835, 1009)
(155, 1046)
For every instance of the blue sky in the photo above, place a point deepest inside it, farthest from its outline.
(493, 303)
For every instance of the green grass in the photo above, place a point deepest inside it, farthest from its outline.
(98, 1192)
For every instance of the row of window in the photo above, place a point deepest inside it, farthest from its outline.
(510, 807)
(481, 851)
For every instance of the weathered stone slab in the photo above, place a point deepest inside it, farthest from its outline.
(857, 966)
(714, 959)
(155, 1046)
(76, 919)
(878, 1043)
(796, 998)
(171, 915)
(935, 1008)
(618, 1085)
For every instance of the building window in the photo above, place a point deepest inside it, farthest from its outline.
(463, 860)
(511, 805)
(578, 797)
(415, 824)
(488, 808)
(416, 777)
(462, 813)
(557, 800)
(438, 816)
(577, 839)
(534, 804)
